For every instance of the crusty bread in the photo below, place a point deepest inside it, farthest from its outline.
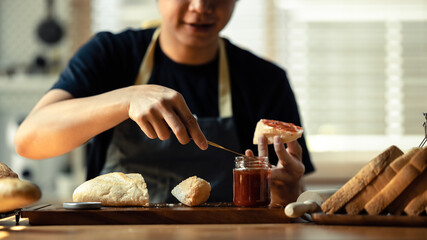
(192, 191)
(360, 180)
(417, 205)
(114, 189)
(6, 172)
(357, 204)
(398, 184)
(288, 132)
(417, 187)
(16, 193)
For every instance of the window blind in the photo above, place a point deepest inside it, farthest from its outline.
(358, 69)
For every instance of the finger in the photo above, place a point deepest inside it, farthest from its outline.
(289, 159)
(249, 153)
(191, 125)
(160, 126)
(177, 127)
(147, 129)
(262, 146)
(280, 150)
(295, 149)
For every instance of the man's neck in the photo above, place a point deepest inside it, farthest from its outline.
(191, 55)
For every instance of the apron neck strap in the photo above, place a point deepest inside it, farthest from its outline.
(224, 89)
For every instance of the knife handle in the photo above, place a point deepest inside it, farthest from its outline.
(297, 209)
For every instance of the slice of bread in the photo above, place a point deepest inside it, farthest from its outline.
(352, 187)
(16, 193)
(417, 205)
(114, 189)
(6, 172)
(192, 191)
(357, 204)
(398, 184)
(288, 132)
(417, 187)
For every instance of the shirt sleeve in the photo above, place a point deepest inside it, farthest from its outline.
(107, 62)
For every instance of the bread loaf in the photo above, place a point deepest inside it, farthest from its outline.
(360, 180)
(192, 191)
(417, 205)
(417, 187)
(6, 172)
(357, 204)
(398, 184)
(288, 132)
(114, 189)
(16, 193)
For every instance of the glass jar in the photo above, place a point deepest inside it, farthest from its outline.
(251, 181)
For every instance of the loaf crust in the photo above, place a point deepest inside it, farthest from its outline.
(398, 184)
(417, 187)
(357, 204)
(6, 172)
(16, 193)
(360, 180)
(114, 189)
(417, 205)
(192, 191)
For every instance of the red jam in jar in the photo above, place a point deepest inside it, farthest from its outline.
(251, 183)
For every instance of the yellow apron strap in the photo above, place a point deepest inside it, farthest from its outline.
(147, 64)
(224, 89)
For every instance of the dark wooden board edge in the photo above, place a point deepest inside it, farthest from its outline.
(369, 220)
(56, 215)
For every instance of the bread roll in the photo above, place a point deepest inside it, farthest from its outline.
(114, 189)
(192, 191)
(16, 193)
(288, 132)
(360, 180)
(5, 171)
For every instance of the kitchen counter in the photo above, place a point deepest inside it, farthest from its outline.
(294, 231)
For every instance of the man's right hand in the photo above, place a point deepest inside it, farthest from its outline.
(157, 110)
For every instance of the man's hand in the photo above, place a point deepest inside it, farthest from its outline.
(158, 110)
(286, 177)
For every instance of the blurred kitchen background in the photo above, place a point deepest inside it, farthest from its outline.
(358, 69)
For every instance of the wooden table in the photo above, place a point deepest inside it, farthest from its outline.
(294, 231)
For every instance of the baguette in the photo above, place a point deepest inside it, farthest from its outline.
(288, 132)
(357, 204)
(360, 180)
(398, 184)
(114, 189)
(192, 191)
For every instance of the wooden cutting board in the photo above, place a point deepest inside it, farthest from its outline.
(212, 213)
(368, 220)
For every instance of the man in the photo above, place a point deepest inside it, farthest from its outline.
(132, 90)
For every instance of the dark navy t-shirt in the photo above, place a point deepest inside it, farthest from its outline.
(260, 89)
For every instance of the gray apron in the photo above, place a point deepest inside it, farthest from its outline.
(164, 164)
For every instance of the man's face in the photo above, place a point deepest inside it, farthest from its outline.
(195, 22)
